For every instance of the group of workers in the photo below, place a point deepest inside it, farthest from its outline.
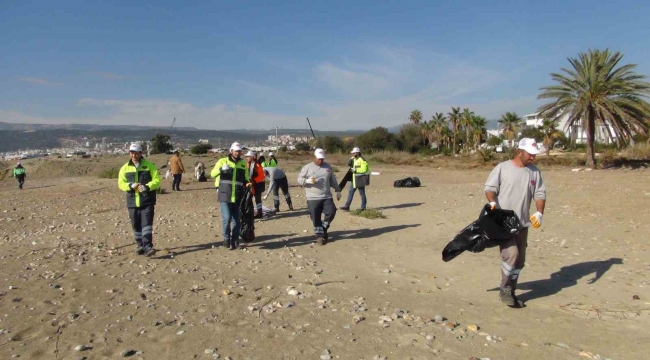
(513, 184)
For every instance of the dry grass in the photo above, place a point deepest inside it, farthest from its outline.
(368, 214)
(639, 151)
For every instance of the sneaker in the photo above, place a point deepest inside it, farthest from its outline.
(508, 297)
(149, 251)
(344, 208)
(321, 240)
(139, 250)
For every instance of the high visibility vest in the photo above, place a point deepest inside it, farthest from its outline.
(145, 174)
(361, 172)
(231, 181)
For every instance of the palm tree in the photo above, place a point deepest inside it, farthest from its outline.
(551, 133)
(454, 119)
(479, 131)
(415, 117)
(426, 132)
(438, 123)
(510, 124)
(466, 122)
(595, 92)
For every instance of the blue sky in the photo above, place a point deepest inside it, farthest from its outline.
(258, 64)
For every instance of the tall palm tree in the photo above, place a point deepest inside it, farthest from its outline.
(595, 92)
(425, 129)
(479, 130)
(510, 124)
(415, 117)
(454, 119)
(438, 123)
(550, 131)
(466, 122)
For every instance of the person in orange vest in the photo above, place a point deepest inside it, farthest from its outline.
(257, 178)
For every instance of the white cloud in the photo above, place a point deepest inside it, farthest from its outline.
(354, 84)
(37, 81)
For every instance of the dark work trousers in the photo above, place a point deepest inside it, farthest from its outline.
(177, 181)
(21, 181)
(259, 192)
(281, 184)
(318, 208)
(513, 259)
(142, 223)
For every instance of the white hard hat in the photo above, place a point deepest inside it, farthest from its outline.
(270, 153)
(529, 145)
(319, 153)
(235, 146)
(356, 150)
(250, 153)
(136, 147)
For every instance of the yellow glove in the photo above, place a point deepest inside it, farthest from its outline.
(536, 220)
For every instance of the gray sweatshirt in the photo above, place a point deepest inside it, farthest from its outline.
(325, 179)
(516, 188)
(275, 174)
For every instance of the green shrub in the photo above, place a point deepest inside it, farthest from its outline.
(487, 155)
(368, 213)
(112, 173)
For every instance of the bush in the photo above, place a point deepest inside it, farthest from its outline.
(303, 146)
(282, 149)
(331, 144)
(410, 138)
(368, 214)
(494, 141)
(378, 138)
(112, 173)
(639, 151)
(199, 149)
(487, 155)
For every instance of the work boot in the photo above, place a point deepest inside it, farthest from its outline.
(326, 236)
(139, 250)
(508, 297)
(233, 245)
(344, 208)
(290, 207)
(149, 251)
(259, 215)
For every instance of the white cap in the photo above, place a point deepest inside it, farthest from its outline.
(18, 163)
(356, 150)
(270, 153)
(319, 153)
(529, 145)
(235, 146)
(250, 153)
(135, 147)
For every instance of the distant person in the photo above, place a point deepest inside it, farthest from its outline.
(360, 178)
(20, 175)
(177, 170)
(513, 185)
(140, 179)
(232, 176)
(199, 172)
(317, 178)
(271, 162)
(278, 181)
(256, 173)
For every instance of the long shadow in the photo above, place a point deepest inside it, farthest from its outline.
(37, 187)
(188, 249)
(566, 277)
(399, 206)
(334, 236)
(289, 214)
(269, 237)
(196, 189)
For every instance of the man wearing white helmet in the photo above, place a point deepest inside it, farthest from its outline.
(139, 178)
(232, 176)
(271, 162)
(317, 178)
(513, 185)
(360, 178)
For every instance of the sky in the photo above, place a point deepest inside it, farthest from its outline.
(347, 65)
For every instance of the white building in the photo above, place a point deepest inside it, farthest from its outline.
(575, 131)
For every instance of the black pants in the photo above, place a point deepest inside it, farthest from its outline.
(318, 208)
(21, 181)
(142, 223)
(177, 181)
(281, 184)
(259, 192)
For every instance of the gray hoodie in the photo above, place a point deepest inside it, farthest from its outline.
(325, 179)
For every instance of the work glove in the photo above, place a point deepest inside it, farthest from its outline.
(265, 196)
(133, 185)
(493, 205)
(338, 196)
(143, 188)
(536, 220)
(311, 180)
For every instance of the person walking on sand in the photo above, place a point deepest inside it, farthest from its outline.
(278, 181)
(360, 178)
(513, 185)
(232, 176)
(256, 173)
(317, 178)
(139, 178)
(20, 175)
(177, 170)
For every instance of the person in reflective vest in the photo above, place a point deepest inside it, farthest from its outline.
(20, 175)
(232, 177)
(271, 162)
(256, 173)
(360, 178)
(139, 178)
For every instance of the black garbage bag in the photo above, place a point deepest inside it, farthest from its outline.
(409, 182)
(346, 179)
(492, 227)
(247, 216)
(202, 177)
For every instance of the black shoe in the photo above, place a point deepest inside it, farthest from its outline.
(290, 207)
(149, 251)
(321, 240)
(344, 208)
(277, 209)
(326, 237)
(233, 246)
(139, 250)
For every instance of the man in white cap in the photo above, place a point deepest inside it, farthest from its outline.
(360, 178)
(317, 178)
(513, 185)
(232, 176)
(20, 175)
(271, 162)
(139, 178)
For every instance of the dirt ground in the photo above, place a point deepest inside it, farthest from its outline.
(68, 275)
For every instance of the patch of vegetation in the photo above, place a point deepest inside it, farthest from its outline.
(161, 190)
(199, 149)
(639, 151)
(368, 214)
(111, 173)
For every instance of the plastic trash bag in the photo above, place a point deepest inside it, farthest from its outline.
(409, 182)
(247, 217)
(492, 227)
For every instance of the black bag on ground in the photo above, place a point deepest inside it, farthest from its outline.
(247, 216)
(202, 177)
(409, 182)
(346, 178)
(492, 227)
